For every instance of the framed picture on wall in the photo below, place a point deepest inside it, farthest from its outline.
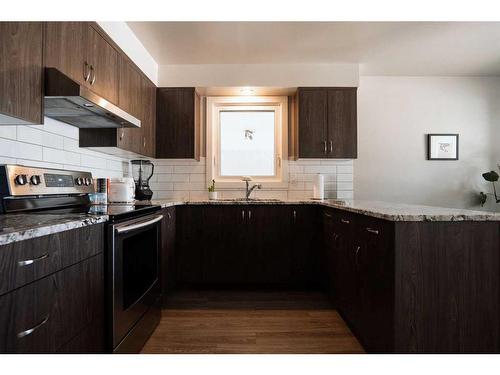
(442, 146)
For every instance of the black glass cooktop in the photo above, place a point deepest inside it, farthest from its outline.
(115, 211)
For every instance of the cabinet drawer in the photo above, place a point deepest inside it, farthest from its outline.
(26, 261)
(41, 317)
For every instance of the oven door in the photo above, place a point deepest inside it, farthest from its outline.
(134, 271)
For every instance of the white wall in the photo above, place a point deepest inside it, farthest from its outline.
(394, 116)
(55, 145)
(122, 35)
(273, 75)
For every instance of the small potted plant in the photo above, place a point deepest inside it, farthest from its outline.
(212, 194)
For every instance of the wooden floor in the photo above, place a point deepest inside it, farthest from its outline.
(251, 322)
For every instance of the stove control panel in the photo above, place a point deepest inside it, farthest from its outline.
(21, 181)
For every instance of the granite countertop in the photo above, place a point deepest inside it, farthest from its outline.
(383, 210)
(18, 227)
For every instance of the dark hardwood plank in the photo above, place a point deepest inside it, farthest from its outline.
(21, 73)
(251, 322)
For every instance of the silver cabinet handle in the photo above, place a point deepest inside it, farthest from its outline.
(356, 256)
(324, 146)
(327, 215)
(86, 71)
(331, 146)
(139, 225)
(169, 216)
(243, 215)
(144, 142)
(344, 221)
(294, 216)
(374, 231)
(27, 262)
(33, 329)
(249, 214)
(92, 73)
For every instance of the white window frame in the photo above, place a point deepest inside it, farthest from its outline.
(217, 104)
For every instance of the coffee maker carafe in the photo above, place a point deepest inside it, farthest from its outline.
(142, 170)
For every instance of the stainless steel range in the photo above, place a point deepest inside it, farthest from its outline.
(133, 242)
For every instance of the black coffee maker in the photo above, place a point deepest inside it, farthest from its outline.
(142, 170)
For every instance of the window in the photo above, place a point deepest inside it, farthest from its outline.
(246, 137)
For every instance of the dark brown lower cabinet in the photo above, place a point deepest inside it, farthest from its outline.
(50, 313)
(415, 287)
(168, 231)
(247, 244)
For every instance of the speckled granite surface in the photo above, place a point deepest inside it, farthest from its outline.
(382, 210)
(18, 227)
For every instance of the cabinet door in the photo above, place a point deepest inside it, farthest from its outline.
(330, 237)
(104, 60)
(268, 234)
(312, 104)
(149, 117)
(130, 100)
(189, 245)
(66, 49)
(21, 72)
(168, 228)
(305, 245)
(42, 316)
(342, 123)
(224, 246)
(376, 283)
(346, 252)
(175, 123)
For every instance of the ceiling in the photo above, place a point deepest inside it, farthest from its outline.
(392, 48)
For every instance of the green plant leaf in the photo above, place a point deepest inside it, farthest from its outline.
(482, 198)
(491, 176)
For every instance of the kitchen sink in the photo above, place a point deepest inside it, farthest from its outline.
(250, 200)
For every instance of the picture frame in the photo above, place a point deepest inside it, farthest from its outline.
(442, 146)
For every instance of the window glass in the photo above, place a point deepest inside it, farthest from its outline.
(247, 143)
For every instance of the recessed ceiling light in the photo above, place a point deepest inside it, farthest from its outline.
(247, 91)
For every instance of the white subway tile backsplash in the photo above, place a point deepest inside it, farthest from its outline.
(93, 162)
(170, 177)
(320, 169)
(55, 145)
(189, 169)
(197, 178)
(189, 180)
(8, 132)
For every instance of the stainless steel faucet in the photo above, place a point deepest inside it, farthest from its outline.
(250, 189)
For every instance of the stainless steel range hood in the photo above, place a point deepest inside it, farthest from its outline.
(74, 104)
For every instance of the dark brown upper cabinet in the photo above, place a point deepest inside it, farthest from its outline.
(78, 50)
(21, 66)
(325, 123)
(177, 123)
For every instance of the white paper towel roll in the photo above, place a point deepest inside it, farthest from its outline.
(319, 187)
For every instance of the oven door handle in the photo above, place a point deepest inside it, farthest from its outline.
(139, 225)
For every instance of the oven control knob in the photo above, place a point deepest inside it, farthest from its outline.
(87, 181)
(21, 179)
(79, 181)
(35, 180)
